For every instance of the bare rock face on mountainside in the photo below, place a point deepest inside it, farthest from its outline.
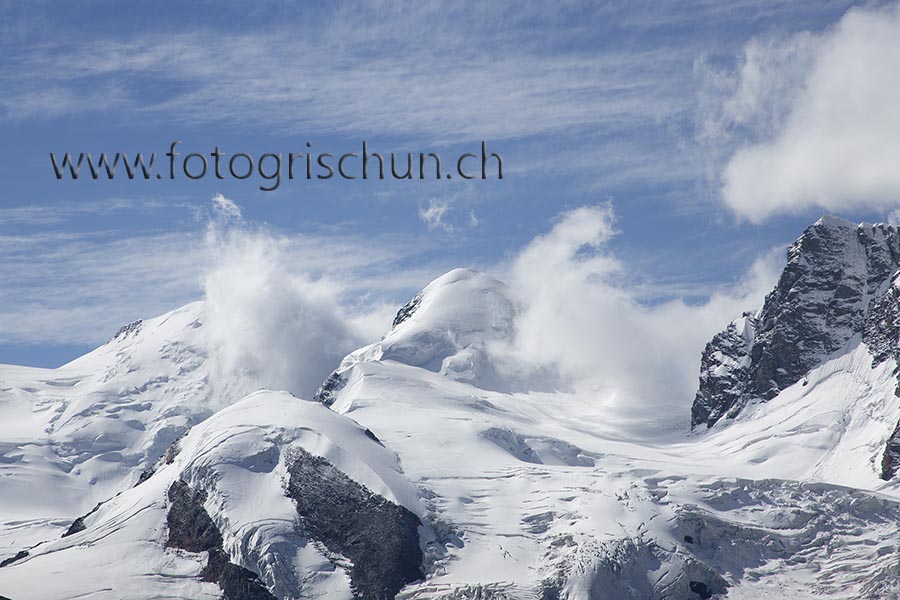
(192, 529)
(835, 290)
(379, 537)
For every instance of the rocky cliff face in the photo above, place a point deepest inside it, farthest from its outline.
(378, 537)
(192, 529)
(835, 290)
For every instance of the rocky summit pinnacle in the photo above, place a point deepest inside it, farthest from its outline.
(835, 290)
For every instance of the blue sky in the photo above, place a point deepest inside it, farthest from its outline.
(693, 119)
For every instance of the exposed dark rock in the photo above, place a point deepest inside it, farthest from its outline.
(79, 523)
(701, 589)
(171, 452)
(724, 371)
(192, 529)
(237, 583)
(166, 459)
(882, 333)
(11, 560)
(373, 437)
(890, 462)
(327, 392)
(837, 276)
(76, 526)
(128, 330)
(190, 526)
(379, 537)
(882, 337)
(408, 309)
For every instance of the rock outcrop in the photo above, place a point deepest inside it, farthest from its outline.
(379, 537)
(192, 529)
(835, 288)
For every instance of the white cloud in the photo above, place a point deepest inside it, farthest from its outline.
(584, 317)
(226, 209)
(46, 215)
(830, 102)
(268, 323)
(283, 310)
(756, 99)
(433, 215)
(447, 215)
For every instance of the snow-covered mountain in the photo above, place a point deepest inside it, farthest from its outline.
(431, 464)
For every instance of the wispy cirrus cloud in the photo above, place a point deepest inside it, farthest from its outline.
(56, 214)
(581, 95)
(459, 77)
(419, 72)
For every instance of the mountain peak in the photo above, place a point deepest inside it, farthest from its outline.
(836, 277)
(445, 328)
(836, 222)
(461, 300)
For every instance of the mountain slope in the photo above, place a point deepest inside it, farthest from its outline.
(234, 465)
(836, 309)
(91, 428)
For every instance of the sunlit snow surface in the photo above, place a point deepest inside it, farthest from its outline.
(521, 494)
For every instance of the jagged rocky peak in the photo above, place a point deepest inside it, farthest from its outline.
(833, 292)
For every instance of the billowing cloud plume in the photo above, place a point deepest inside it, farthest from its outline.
(282, 311)
(77, 288)
(584, 318)
(270, 325)
(830, 102)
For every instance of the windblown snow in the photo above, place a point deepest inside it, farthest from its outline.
(431, 465)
